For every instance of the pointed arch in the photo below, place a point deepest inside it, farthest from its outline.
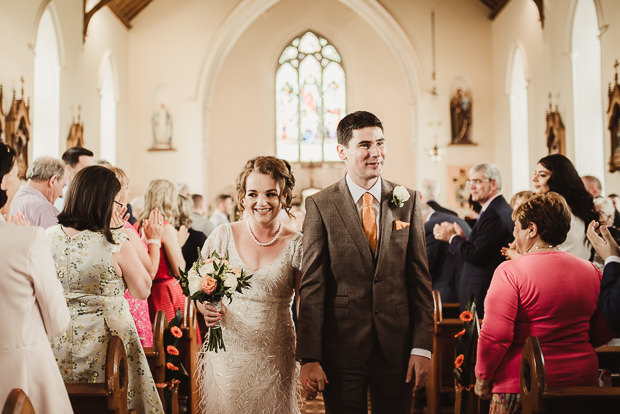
(108, 99)
(519, 137)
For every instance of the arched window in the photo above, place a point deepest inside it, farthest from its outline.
(519, 124)
(587, 98)
(46, 92)
(310, 99)
(107, 94)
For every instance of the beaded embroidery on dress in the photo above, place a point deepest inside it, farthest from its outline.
(257, 373)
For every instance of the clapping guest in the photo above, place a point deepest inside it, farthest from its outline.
(95, 265)
(524, 300)
(148, 251)
(166, 294)
(32, 305)
(195, 239)
(557, 173)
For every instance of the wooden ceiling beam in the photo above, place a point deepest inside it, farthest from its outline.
(89, 15)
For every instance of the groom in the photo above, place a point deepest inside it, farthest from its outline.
(365, 319)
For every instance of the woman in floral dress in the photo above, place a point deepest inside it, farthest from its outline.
(95, 265)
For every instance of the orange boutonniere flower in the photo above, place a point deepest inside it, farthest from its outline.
(459, 361)
(176, 332)
(460, 333)
(466, 316)
(172, 350)
(171, 366)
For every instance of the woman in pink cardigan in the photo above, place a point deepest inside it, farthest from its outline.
(547, 293)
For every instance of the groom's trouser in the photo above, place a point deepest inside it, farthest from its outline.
(347, 390)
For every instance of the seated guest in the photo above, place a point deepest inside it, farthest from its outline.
(148, 252)
(481, 252)
(609, 251)
(557, 173)
(46, 180)
(75, 158)
(444, 266)
(546, 293)
(166, 294)
(32, 305)
(429, 192)
(199, 221)
(224, 209)
(95, 265)
(195, 239)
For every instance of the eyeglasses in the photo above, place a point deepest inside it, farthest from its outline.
(119, 203)
(477, 181)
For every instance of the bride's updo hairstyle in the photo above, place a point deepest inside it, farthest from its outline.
(279, 170)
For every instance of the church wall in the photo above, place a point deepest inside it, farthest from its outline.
(80, 63)
(548, 54)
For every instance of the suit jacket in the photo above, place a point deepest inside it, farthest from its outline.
(33, 306)
(482, 252)
(610, 295)
(444, 266)
(439, 208)
(348, 296)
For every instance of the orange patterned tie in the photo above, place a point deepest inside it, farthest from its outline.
(369, 221)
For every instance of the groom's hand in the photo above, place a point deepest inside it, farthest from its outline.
(421, 366)
(313, 379)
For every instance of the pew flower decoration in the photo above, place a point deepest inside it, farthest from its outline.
(212, 279)
(399, 196)
(175, 371)
(466, 338)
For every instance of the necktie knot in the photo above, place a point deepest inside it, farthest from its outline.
(367, 197)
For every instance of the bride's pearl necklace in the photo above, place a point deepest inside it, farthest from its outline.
(269, 243)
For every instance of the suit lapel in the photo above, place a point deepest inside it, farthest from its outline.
(348, 212)
(385, 221)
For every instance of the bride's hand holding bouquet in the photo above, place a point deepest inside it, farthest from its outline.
(210, 280)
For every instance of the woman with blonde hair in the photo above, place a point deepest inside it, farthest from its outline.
(166, 294)
(148, 252)
(258, 371)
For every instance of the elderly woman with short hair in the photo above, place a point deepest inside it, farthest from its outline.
(547, 293)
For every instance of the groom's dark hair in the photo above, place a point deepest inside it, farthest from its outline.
(353, 121)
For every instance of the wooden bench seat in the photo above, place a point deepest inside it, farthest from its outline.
(110, 396)
(537, 397)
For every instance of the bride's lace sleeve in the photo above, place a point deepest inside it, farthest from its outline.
(298, 253)
(218, 241)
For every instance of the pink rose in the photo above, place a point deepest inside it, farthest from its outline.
(208, 285)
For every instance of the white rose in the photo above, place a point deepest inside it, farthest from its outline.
(206, 269)
(193, 282)
(230, 281)
(401, 193)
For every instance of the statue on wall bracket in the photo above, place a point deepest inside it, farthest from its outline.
(76, 132)
(461, 113)
(613, 113)
(161, 123)
(555, 131)
(18, 129)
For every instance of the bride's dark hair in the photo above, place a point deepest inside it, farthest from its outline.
(276, 168)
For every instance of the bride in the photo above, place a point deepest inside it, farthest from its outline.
(257, 373)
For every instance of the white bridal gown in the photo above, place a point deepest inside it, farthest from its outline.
(257, 373)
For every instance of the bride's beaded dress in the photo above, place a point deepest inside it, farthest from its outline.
(257, 373)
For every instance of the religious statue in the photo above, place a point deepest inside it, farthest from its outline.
(460, 117)
(162, 129)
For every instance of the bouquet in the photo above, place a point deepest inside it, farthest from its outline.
(211, 279)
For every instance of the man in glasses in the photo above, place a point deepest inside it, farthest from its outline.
(481, 253)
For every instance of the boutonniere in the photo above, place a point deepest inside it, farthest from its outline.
(400, 195)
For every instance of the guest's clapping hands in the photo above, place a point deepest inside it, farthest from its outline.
(510, 252)
(446, 230)
(313, 379)
(118, 213)
(210, 312)
(605, 246)
(154, 225)
(182, 235)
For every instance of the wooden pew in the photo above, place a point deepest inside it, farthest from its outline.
(440, 380)
(609, 358)
(110, 396)
(188, 348)
(17, 402)
(537, 397)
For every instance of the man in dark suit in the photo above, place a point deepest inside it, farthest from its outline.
(429, 193)
(365, 319)
(481, 252)
(444, 266)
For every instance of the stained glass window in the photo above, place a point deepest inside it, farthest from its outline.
(310, 99)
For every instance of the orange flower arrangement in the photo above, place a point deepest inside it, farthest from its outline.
(176, 332)
(459, 361)
(171, 366)
(460, 333)
(172, 350)
(466, 316)
(173, 382)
